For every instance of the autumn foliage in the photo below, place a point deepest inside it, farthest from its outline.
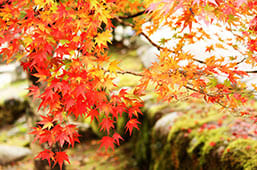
(66, 42)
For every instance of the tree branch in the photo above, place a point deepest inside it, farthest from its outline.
(161, 48)
(132, 16)
(130, 72)
(241, 61)
(210, 95)
(254, 71)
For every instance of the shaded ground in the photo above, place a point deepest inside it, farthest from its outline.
(87, 156)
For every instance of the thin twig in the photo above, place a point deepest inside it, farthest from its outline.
(207, 94)
(132, 16)
(130, 72)
(241, 61)
(254, 71)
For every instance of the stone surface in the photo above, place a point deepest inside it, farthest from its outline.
(11, 110)
(147, 55)
(9, 154)
(164, 124)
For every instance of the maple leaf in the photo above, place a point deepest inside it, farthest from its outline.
(116, 138)
(47, 136)
(46, 154)
(61, 135)
(132, 123)
(113, 67)
(33, 91)
(37, 131)
(60, 157)
(106, 142)
(209, 48)
(103, 38)
(47, 121)
(106, 124)
(93, 114)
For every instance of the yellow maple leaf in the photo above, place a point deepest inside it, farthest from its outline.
(113, 67)
(103, 38)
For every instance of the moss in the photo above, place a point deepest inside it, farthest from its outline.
(19, 139)
(203, 143)
(241, 154)
(191, 121)
(17, 83)
(171, 155)
(18, 88)
(162, 160)
(155, 108)
(120, 125)
(142, 142)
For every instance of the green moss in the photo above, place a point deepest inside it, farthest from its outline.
(142, 142)
(121, 123)
(18, 87)
(119, 126)
(155, 108)
(203, 143)
(241, 154)
(18, 140)
(161, 159)
(191, 121)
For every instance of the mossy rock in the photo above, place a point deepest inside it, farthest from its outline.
(189, 122)
(240, 154)
(142, 141)
(187, 146)
(170, 155)
(206, 147)
(12, 109)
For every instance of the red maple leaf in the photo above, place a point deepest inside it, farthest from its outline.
(107, 142)
(93, 114)
(60, 157)
(106, 124)
(46, 154)
(47, 121)
(33, 91)
(116, 138)
(132, 123)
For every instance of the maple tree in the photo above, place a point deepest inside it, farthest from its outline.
(66, 43)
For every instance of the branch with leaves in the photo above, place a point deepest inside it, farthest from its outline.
(43, 34)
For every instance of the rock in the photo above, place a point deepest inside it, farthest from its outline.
(162, 126)
(11, 73)
(10, 154)
(147, 55)
(11, 110)
(18, 129)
